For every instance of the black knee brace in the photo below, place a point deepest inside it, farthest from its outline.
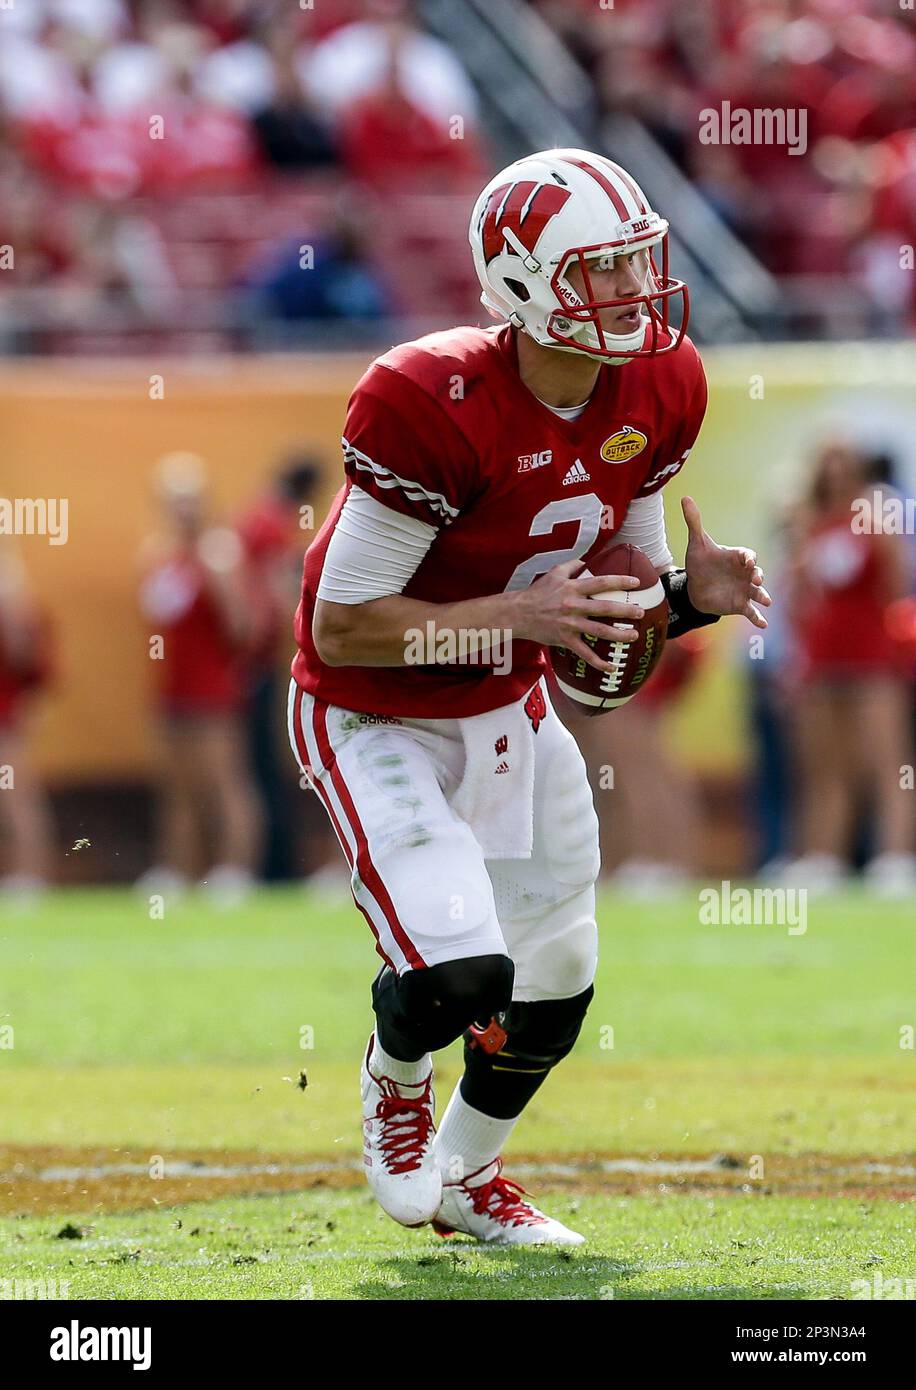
(507, 1061)
(424, 1010)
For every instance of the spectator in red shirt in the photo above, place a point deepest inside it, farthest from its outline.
(852, 707)
(198, 608)
(390, 141)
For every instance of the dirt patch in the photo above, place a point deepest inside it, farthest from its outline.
(50, 1179)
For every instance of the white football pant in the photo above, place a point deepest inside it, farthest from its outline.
(418, 874)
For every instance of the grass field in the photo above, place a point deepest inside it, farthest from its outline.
(737, 1119)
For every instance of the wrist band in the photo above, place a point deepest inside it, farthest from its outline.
(682, 616)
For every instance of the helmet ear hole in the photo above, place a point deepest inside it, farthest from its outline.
(520, 291)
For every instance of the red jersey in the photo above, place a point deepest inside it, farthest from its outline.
(18, 680)
(842, 625)
(200, 671)
(444, 430)
(267, 532)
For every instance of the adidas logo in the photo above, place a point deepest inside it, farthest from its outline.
(502, 767)
(577, 474)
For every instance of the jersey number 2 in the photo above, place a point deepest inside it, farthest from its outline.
(585, 509)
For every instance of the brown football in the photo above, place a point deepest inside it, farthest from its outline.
(594, 691)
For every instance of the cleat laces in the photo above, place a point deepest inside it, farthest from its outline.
(500, 1198)
(407, 1123)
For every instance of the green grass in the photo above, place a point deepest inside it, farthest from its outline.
(340, 1245)
(185, 1033)
(143, 1032)
(750, 1102)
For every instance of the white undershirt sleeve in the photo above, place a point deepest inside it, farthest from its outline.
(644, 527)
(373, 552)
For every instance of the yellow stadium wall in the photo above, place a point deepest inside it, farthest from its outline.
(91, 432)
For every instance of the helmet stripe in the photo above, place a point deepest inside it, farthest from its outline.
(620, 206)
(625, 179)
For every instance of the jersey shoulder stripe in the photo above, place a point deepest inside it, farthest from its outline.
(384, 477)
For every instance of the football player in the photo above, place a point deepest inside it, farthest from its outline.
(483, 468)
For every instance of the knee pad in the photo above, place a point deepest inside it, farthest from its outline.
(424, 1010)
(507, 1061)
(543, 1032)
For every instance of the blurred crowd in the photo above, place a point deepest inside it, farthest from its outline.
(846, 207)
(115, 113)
(239, 86)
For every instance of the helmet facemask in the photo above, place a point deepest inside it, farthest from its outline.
(576, 325)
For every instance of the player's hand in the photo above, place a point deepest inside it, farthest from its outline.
(721, 578)
(557, 610)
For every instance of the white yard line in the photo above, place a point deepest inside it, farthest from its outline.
(656, 1167)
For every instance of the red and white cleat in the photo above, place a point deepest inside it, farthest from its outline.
(398, 1133)
(494, 1211)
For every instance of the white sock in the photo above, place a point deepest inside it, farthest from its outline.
(381, 1063)
(467, 1140)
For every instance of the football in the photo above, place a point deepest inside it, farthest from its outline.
(594, 691)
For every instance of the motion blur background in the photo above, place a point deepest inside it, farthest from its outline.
(214, 213)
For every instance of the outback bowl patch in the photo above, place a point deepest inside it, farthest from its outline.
(623, 445)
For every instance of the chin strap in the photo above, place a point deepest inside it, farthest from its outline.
(682, 616)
